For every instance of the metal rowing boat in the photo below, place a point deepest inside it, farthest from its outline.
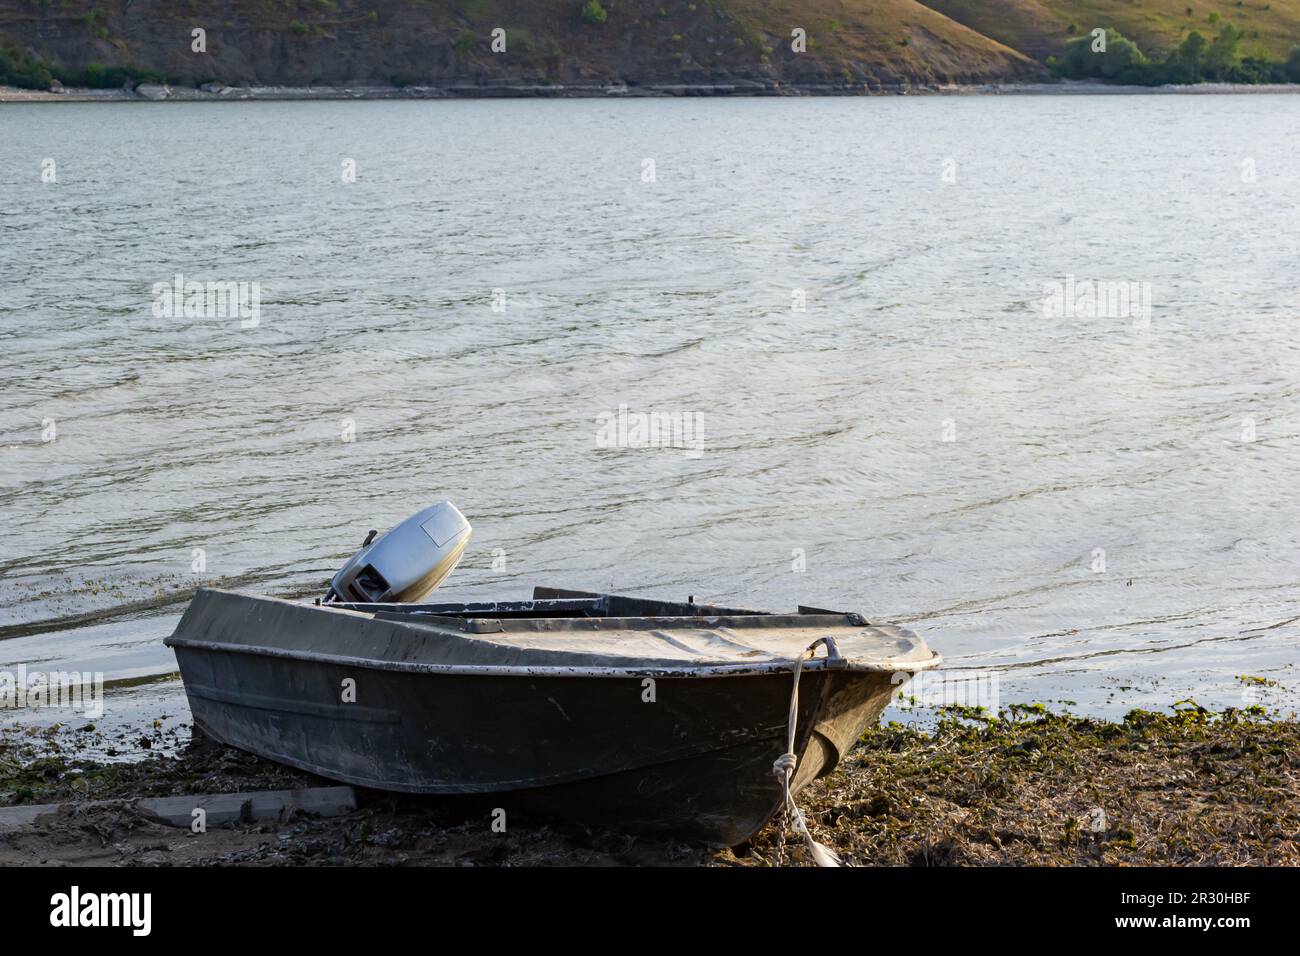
(615, 711)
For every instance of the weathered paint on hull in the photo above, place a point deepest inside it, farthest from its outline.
(695, 762)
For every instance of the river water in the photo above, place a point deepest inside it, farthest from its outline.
(868, 312)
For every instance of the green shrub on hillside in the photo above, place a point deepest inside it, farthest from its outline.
(593, 12)
(1195, 60)
(18, 69)
(1080, 61)
(107, 77)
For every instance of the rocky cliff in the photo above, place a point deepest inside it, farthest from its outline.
(843, 45)
(814, 45)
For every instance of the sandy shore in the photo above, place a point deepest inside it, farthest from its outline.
(212, 92)
(1181, 788)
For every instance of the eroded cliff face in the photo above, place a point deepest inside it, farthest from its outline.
(862, 45)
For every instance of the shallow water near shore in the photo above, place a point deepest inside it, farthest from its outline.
(1099, 510)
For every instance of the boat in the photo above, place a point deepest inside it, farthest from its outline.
(621, 712)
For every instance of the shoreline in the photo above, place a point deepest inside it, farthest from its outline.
(213, 92)
(1031, 787)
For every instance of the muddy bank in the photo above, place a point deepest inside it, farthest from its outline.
(1180, 788)
(386, 829)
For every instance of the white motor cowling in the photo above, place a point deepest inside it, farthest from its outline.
(408, 562)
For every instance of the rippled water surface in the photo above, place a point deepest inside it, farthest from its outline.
(1075, 442)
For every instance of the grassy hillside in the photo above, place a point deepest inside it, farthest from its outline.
(1041, 28)
(898, 37)
(851, 45)
(442, 42)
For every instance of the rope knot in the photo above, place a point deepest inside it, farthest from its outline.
(784, 766)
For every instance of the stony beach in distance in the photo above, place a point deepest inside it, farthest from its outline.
(219, 92)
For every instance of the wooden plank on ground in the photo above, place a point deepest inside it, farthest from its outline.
(274, 805)
(220, 808)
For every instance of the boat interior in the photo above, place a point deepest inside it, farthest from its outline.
(563, 604)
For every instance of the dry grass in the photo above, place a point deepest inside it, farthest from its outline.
(1041, 27)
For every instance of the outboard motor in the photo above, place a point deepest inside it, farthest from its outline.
(408, 562)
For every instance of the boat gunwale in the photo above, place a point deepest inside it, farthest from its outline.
(508, 625)
(778, 666)
(485, 622)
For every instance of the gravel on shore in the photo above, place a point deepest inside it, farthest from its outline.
(217, 92)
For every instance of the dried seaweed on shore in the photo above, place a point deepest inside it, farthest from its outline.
(1184, 788)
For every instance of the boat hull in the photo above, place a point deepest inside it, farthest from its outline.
(686, 755)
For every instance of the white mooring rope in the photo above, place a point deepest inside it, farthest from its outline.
(785, 764)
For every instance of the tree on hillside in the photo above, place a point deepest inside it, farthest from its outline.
(1080, 60)
(1222, 55)
(1192, 50)
(1195, 60)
